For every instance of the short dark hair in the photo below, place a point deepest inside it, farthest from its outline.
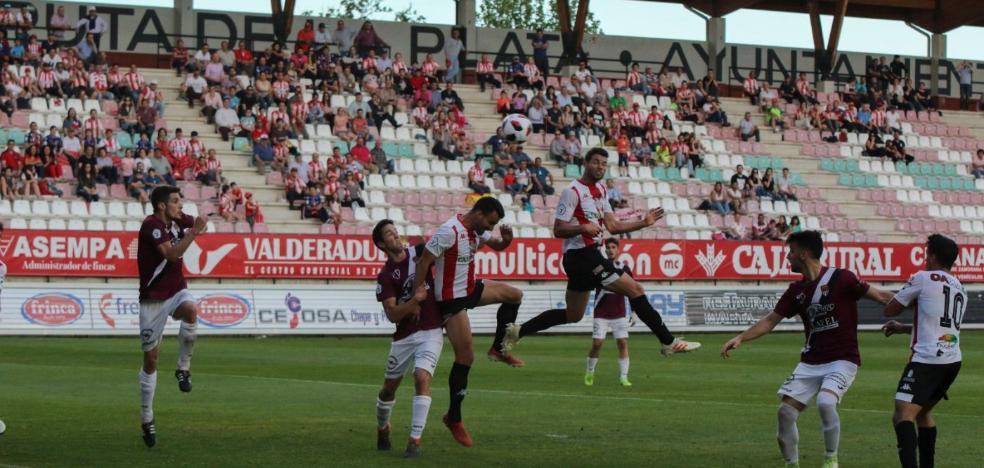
(808, 240)
(611, 240)
(595, 152)
(943, 248)
(377, 232)
(162, 194)
(486, 205)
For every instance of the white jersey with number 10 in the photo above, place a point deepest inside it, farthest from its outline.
(587, 205)
(940, 303)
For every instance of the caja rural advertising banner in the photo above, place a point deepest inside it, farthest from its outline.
(100, 254)
(99, 309)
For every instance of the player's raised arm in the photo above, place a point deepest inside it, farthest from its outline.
(762, 327)
(505, 238)
(616, 226)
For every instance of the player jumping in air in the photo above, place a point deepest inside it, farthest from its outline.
(826, 299)
(609, 313)
(164, 237)
(939, 301)
(583, 215)
(418, 337)
(452, 250)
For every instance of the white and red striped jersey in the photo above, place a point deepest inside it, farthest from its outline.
(368, 63)
(315, 170)
(281, 89)
(278, 114)
(878, 118)
(299, 111)
(178, 147)
(26, 80)
(330, 188)
(112, 145)
(98, 81)
(585, 205)
(213, 164)
(47, 79)
(751, 86)
(420, 114)
(939, 302)
(134, 80)
(429, 67)
(398, 67)
(79, 80)
(196, 148)
(455, 247)
(114, 77)
(635, 119)
(802, 86)
(531, 71)
(484, 67)
(150, 96)
(633, 78)
(95, 125)
(33, 50)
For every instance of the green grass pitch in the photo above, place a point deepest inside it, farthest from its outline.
(310, 402)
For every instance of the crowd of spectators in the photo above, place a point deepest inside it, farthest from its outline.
(269, 99)
(122, 139)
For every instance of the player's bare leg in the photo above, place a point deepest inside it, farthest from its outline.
(623, 361)
(187, 313)
(458, 329)
(593, 354)
(384, 408)
(578, 300)
(148, 385)
(510, 297)
(421, 406)
(909, 440)
(788, 433)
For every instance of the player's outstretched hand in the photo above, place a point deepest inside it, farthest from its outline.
(200, 225)
(733, 343)
(653, 215)
(506, 232)
(893, 327)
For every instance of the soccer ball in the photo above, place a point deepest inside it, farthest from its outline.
(516, 127)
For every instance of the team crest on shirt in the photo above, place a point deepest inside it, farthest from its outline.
(379, 288)
(801, 297)
(824, 290)
(821, 317)
(157, 233)
(396, 274)
(561, 210)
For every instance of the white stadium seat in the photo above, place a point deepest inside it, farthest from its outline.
(57, 224)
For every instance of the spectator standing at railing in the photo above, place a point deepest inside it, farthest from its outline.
(58, 23)
(367, 39)
(540, 46)
(342, 37)
(453, 48)
(93, 24)
(966, 78)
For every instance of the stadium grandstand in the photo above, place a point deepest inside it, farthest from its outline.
(293, 150)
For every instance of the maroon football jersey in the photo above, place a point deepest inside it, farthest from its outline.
(609, 305)
(830, 324)
(395, 279)
(159, 278)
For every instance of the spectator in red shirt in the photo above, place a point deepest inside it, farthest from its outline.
(360, 153)
(476, 177)
(11, 157)
(244, 59)
(305, 37)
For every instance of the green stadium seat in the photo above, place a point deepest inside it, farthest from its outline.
(968, 184)
(900, 167)
(15, 134)
(949, 169)
(659, 173)
(701, 174)
(777, 164)
(933, 183)
(946, 183)
(840, 165)
(938, 169)
(845, 180)
(826, 165)
(870, 181)
(673, 174)
(920, 182)
(572, 170)
(126, 141)
(852, 166)
(240, 144)
(391, 148)
(925, 169)
(797, 179)
(405, 151)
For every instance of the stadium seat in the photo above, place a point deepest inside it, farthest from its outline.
(22, 208)
(132, 226)
(114, 225)
(95, 225)
(115, 209)
(37, 224)
(18, 223)
(76, 225)
(57, 224)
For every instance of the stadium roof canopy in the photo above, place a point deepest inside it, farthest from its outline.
(937, 16)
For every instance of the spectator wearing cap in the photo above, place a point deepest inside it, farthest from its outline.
(93, 24)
